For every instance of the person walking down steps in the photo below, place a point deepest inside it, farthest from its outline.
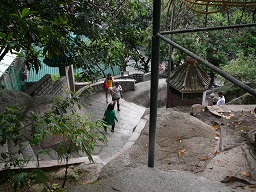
(116, 95)
(108, 85)
(110, 117)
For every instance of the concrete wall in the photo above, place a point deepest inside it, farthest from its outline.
(60, 87)
(138, 77)
(127, 85)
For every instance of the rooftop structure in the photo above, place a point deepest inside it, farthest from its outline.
(187, 84)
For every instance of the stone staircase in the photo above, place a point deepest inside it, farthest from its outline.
(127, 129)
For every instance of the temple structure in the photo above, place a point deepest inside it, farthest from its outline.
(187, 84)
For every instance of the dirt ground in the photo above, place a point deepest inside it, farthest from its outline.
(240, 123)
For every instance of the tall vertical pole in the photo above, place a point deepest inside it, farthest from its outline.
(154, 82)
(170, 62)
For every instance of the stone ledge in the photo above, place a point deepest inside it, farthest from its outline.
(53, 163)
(127, 85)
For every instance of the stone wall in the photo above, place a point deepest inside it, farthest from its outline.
(45, 87)
(147, 76)
(138, 77)
(60, 87)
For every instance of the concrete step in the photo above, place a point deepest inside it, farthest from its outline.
(127, 130)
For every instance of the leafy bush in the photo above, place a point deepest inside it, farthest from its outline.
(78, 133)
(243, 68)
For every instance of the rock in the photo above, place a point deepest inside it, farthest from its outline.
(90, 173)
(61, 173)
(181, 140)
(196, 109)
(141, 94)
(11, 98)
(252, 138)
(37, 188)
(244, 99)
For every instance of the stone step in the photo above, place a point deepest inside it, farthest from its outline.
(42, 154)
(81, 153)
(4, 151)
(27, 151)
(52, 153)
(15, 150)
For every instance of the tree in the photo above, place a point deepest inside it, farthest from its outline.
(243, 68)
(219, 46)
(30, 26)
(62, 29)
(123, 32)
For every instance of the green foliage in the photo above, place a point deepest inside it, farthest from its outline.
(243, 68)
(20, 180)
(28, 178)
(55, 186)
(75, 176)
(55, 77)
(78, 133)
(217, 46)
(57, 29)
(11, 122)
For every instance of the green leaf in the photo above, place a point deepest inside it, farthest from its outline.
(14, 15)
(38, 175)
(21, 180)
(25, 13)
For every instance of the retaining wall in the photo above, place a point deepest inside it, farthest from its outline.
(127, 85)
(45, 87)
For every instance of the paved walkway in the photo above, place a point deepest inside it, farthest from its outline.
(127, 129)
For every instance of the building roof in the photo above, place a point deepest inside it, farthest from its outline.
(189, 78)
(34, 77)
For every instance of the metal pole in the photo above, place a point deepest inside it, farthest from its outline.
(211, 66)
(154, 81)
(170, 56)
(207, 29)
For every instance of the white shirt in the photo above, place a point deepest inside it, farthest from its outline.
(221, 101)
(116, 92)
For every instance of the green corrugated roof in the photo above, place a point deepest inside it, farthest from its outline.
(34, 77)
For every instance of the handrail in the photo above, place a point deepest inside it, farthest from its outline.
(211, 66)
